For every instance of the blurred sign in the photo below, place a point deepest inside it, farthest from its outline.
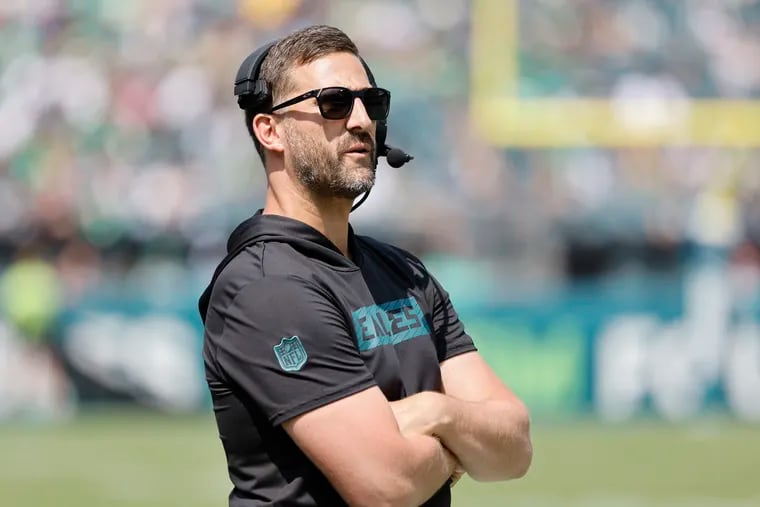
(547, 365)
(681, 367)
(626, 360)
(151, 359)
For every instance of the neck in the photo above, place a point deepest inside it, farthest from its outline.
(327, 215)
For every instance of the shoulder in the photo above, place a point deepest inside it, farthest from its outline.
(407, 265)
(261, 271)
(401, 259)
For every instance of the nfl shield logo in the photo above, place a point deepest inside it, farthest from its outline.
(290, 353)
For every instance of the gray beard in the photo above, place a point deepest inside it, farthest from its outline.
(323, 173)
(335, 183)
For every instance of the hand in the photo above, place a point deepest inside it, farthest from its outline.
(419, 414)
(457, 470)
(458, 473)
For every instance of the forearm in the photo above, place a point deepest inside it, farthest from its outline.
(426, 466)
(491, 439)
(420, 466)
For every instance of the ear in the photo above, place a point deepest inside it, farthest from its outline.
(264, 126)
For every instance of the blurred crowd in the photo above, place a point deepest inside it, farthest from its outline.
(124, 161)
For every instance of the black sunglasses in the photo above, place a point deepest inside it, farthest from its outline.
(337, 102)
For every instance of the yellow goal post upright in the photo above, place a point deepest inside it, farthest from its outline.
(505, 119)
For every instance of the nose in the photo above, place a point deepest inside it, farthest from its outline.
(359, 119)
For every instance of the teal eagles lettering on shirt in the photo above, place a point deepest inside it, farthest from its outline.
(389, 323)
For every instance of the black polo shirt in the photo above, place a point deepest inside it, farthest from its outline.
(291, 324)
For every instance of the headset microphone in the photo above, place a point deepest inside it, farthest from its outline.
(396, 157)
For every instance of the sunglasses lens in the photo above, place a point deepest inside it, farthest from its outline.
(377, 102)
(335, 103)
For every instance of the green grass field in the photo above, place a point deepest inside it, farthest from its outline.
(139, 460)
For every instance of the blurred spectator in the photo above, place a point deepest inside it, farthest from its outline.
(30, 292)
(125, 162)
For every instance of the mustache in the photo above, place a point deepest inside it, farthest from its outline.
(361, 137)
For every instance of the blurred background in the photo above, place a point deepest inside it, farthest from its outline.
(614, 285)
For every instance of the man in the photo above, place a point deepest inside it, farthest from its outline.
(339, 370)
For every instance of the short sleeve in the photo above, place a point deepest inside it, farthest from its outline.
(286, 346)
(450, 335)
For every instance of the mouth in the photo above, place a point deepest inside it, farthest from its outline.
(359, 149)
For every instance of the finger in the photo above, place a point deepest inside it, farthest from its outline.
(458, 473)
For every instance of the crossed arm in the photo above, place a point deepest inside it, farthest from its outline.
(400, 453)
(476, 417)
(357, 444)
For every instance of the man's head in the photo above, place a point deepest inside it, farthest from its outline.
(324, 136)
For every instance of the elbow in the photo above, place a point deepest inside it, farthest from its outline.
(522, 459)
(514, 465)
(515, 457)
(522, 450)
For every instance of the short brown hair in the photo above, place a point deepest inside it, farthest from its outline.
(299, 48)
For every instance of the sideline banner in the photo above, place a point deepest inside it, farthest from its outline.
(618, 350)
(673, 351)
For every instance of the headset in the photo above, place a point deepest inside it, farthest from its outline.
(255, 94)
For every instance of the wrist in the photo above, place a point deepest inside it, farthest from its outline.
(443, 419)
(450, 460)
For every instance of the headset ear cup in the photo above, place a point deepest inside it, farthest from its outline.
(259, 99)
(252, 92)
